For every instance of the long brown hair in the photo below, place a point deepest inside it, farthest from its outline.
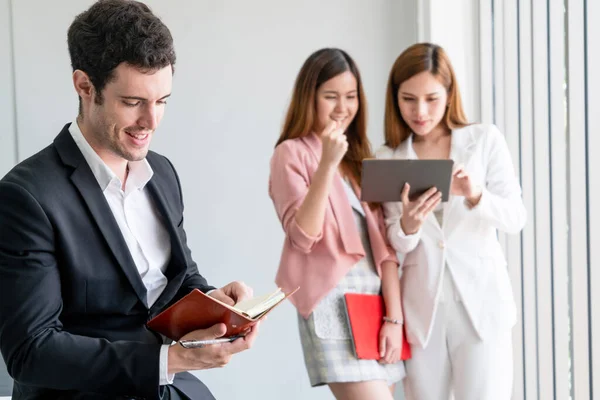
(419, 58)
(318, 68)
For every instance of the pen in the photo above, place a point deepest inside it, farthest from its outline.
(195, 344)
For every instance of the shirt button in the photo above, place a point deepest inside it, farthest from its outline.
(441, 244)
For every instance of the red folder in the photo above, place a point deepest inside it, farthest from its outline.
(365, 313)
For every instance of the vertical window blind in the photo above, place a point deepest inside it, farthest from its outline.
(539, 76)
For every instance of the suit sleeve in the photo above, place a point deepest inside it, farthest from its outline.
(288, 187)
(193, 279)
(35, 348)
(501, 203)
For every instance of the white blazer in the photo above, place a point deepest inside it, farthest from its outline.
(467, 240)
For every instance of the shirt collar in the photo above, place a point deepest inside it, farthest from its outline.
(140, 172)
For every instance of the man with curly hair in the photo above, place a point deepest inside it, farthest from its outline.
(92, 243)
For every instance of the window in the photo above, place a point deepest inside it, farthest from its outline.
(536, 85)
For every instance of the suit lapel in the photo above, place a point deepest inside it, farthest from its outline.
(345, 218)
(462, 148)
(177, 265)
(85, 182)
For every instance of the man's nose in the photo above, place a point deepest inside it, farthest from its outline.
(149, 118)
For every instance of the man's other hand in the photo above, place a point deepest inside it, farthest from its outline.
(233, 293)
(211, 356)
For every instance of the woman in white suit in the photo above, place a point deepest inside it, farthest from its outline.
(458, 304)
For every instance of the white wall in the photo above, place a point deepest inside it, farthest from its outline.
(237, 61)
(7, 111)
(454, 26)
(7, 130)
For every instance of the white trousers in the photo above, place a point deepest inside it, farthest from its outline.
(456, 361)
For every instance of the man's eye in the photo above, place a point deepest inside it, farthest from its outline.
(130, 104)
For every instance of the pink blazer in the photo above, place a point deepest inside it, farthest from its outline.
(317, 263)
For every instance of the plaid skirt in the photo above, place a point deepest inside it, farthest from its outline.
(325, 335)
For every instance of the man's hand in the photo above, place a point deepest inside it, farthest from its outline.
(233, 293)
(211, 356)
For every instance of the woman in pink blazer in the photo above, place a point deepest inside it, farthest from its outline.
(334, 243)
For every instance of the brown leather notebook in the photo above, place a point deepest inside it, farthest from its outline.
(197, 310)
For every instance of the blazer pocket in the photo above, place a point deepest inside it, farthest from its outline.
(106, 296)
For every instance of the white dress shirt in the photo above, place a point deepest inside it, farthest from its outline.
(140, 223)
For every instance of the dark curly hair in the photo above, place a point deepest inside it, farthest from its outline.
(111, 32)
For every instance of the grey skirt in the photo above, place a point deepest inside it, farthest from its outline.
(325, 335)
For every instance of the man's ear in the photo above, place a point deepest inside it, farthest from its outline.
(83, 85)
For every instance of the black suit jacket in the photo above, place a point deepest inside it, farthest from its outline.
(73, 306)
